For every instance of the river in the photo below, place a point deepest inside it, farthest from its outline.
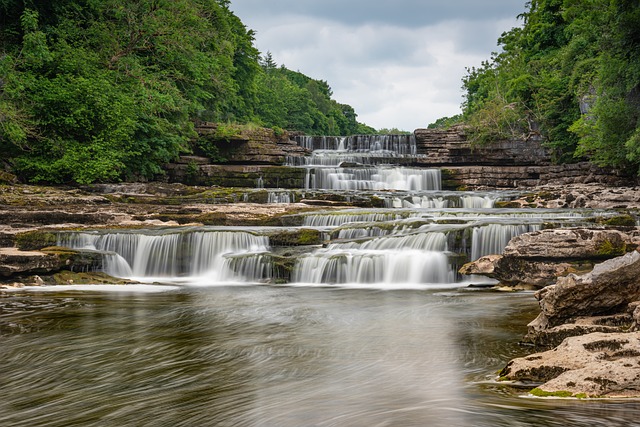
(374, 327)
(255, 355)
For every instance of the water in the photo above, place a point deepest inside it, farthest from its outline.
(273, 356)
(376, 327)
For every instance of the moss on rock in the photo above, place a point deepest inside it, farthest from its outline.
(35, 240)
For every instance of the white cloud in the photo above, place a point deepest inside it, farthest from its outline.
(393, 75)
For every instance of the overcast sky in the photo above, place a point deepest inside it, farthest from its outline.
(399, 63)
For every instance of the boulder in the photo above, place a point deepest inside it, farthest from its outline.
(518, 272)
(593, 365)
(540, 257)
(609, 288)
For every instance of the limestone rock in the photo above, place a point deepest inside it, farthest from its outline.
(13, 262)
(515, 271)
(540, 257)
(597, 364)
(552, 337)
(563, 244)
(609, 288)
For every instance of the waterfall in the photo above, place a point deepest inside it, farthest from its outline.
(217, 255)
(493, 238)
(374, 267)
(341, 218)
(281, 197)
(399, 144)
(407, 179)
(413, 259)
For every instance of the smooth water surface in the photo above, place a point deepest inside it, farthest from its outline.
(273, 356)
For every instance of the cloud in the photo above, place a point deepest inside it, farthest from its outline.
(401, 13)
(399, 64)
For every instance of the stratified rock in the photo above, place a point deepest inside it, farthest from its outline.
(597, 364)
(540, 257)
(520, 272)
(569, 244)
(609, 288)
(552, 337)
(14, 262)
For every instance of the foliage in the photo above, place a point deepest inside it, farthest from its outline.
(290, 100)
(393, 131)
(109, 90)
(446, 122)
(571, 75)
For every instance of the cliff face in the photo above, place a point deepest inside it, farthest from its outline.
(255, 157)
(449, 147)
(502, 164)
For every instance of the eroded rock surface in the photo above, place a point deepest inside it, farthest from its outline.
(593, 365)
(540, 257)
(609, 288)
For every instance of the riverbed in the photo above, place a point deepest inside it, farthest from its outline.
(264, 355)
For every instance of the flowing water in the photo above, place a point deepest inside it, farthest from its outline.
(273, 356)
(374, 328)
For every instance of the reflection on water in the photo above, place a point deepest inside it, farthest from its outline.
(273, 356)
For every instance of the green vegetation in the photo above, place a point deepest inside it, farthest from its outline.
(571, 76)
(99, 91)
(541, 393)
(35, 240)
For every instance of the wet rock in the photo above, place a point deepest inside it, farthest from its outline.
(593, 365)
(14, 262)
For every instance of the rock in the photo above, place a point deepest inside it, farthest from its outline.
(569, 244)
(609, 288)
(14, 262)
(540, 257)
(552, 337)
(518, 272)
(593, 365)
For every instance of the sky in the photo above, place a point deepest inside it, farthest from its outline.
(398, 63)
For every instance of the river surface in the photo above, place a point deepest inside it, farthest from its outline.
(257, 355)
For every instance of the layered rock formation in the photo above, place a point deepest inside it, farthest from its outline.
(591, 319)
(537, 259)
(594, 365)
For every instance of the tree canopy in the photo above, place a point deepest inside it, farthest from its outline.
(109, 90)
(571, 75)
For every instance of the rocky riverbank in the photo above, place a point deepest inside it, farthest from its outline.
(589, 320)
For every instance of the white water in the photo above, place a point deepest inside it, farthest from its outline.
(380, 178)
(217, 255)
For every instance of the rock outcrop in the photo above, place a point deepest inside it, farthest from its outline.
(538, 258)
(450, 147)
(608, 289)
(593, 365)
(593, 321)
(14, 262)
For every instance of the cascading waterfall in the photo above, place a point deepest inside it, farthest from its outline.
(217, 255)
(408, 179)
(440, 201)
(399, 144)
(492, 238)
(412, 259)
(419, 238)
